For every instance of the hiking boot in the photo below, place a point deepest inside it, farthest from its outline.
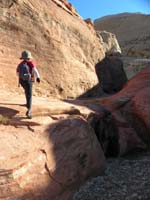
(28, 114)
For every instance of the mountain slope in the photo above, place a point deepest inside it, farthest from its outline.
(131, 30)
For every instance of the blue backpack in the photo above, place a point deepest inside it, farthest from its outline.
(24, 72)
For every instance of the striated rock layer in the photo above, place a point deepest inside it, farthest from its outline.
(63, 45)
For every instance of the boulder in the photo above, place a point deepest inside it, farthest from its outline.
(77, 152)
(111, 74)
(50, 164)
(138, 113)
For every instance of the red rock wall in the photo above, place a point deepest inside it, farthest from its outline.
(63, 46)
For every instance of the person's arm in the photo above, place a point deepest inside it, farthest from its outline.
(36, 73)
(17, 73)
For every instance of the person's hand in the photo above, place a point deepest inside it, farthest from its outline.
(38, 80)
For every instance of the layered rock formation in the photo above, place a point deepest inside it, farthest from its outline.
(63, 45)
(49, 156)
(131, 30)
(128, 127)
(48, 165)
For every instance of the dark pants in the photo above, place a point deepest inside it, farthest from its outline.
(27, 86)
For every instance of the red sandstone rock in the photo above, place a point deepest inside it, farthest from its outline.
(129, 141)
(89, 22)
(64, 49)
(134, 104)
(77, 152)
(130, 109)
(41, 160)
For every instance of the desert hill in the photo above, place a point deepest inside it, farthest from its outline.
(131, 30)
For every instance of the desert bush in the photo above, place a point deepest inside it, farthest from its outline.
(4, 120)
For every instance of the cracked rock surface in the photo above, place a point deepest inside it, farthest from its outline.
(46, 157)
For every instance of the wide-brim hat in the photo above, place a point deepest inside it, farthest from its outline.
(26, 55)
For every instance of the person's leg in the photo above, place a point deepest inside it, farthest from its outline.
(28, 92)
(23, 84)
(27, 86)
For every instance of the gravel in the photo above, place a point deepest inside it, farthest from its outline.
(126, 178)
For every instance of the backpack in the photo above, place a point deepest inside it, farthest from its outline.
(24, 72)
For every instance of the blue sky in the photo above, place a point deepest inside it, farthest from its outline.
(98, 8)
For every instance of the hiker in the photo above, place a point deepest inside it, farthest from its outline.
(27, 73)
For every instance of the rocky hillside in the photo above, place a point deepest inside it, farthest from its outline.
(63, 45)
(131, 30)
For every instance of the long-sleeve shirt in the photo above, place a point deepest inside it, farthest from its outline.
(32, 69)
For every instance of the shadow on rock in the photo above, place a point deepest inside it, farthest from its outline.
(8, 112)
(111, 74)
(96, 91)
(76, 153)
(101, 120)
(8, 117)
(129, 113)
(13, 104)
(65, 156)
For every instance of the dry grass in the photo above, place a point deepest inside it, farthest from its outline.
(4, 120)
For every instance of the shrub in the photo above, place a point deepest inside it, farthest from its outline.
(4, 120)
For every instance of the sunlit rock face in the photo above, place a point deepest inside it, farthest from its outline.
(131, 30)
(63, 46)
(110, 42)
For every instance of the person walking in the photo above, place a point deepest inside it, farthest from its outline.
(27, 74)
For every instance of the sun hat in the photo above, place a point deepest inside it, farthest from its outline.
(26, 55)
